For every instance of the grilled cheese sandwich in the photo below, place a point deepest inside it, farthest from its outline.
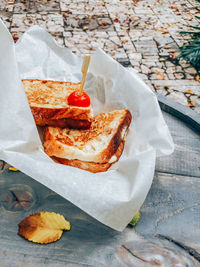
(95, 149)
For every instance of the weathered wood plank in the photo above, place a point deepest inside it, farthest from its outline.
(89, 242)
(172, 209)
(186, 158)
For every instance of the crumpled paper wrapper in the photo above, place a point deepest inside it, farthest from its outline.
(112, 197)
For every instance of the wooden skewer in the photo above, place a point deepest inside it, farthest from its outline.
(84, 69)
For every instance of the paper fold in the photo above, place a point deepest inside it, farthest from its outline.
(112, 197)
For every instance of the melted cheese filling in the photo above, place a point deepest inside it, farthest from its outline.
(90, 152)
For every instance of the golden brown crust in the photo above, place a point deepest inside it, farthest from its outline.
(45, 81)
(44, 116)
(41, 92)
(117, 138)
(51, 146)
(91, 166)
(70, 123)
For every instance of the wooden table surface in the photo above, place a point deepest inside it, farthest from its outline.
(168, 233)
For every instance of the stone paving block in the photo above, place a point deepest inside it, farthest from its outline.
(178, 97)
(189, 76)
(3, 5)
(85, 22)
(179, 85)
(134, 63)
(143, 76)
(91, 7)
(37, 6)
(171, 76)
(179, 75)
(52, 22)
(159, 75)
(145, 69)
(120, 8)
(7, 5)
(135, 34)
(129, 48)
(190, 70)
(149, 63)
(135, 56)
(148, 56)
(6, 17)
(143, 10)
(86, 42)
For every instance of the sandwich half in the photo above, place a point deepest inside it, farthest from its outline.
(49, 104)
(95, 149)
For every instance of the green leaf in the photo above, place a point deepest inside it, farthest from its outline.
(197, 17)
(195, 27)
(192, 33)
(135, 219)
(191, 53)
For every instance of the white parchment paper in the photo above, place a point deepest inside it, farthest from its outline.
(112, 197)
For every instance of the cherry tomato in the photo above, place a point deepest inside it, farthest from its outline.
(78, 99)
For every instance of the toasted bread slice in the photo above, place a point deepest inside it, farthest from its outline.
(49, 105)
(97, 144)
(91, 166)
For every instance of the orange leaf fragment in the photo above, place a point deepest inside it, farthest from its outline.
(160, 75)
(103, 23)
(190, 105)
(189, 91)
(43, 227)
(196, 78)
(124, 41)
(162, 30)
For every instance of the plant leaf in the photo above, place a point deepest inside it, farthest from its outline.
(197, 17)
(135, 219)
(192, 33)
(194, 27)
(13, 169)
(43, 227)
(189, 91)
(191, 53)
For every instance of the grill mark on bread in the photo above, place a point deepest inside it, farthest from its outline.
(48, 103)
(57, 113)
(99, 126)
(50, 91)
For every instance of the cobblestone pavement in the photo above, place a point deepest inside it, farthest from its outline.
(140, 34)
